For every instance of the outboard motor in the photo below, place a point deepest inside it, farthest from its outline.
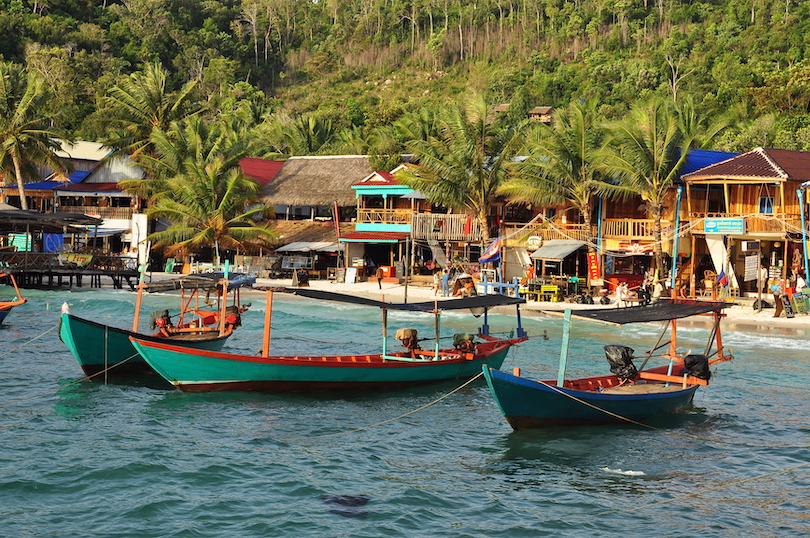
(464, 342)
(621, 361)
(408, 337)
(232, 317)
(698, 366)
(159, 319)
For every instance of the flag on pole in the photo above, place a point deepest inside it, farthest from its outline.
(721, 278)
(492, 253)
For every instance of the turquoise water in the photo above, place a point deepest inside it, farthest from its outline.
(131, 460)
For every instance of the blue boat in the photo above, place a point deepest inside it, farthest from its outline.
(6, 306)
(628, 394)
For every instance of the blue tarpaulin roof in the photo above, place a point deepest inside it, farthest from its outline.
(701, 158)
(76, 176)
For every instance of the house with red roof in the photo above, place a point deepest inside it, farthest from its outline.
(747, 209)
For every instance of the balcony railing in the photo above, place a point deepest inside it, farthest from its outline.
(122, 213)
(632, 228)
(754, 224)
(385, 216)
(550, 230)
(444, 227)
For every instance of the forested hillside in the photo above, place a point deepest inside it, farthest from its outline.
(350, 67)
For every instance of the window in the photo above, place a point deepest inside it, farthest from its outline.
(766, 204)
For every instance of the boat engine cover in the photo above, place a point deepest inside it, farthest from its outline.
(698, 366)
(464, 342)
(621, 361)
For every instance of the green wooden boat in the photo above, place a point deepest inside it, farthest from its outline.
(6, 306)
(196, 370)
(104, 351)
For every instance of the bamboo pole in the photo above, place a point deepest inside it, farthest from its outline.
(268, 316)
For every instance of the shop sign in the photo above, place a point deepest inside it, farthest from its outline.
(636, 248)
(724, 226)
(534, 242)
(593, 266)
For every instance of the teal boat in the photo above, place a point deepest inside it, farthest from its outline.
(6, 306)
(195, 370)
(628, 394)
(104, 351)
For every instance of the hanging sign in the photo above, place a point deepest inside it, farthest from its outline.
(636, 248)
(751, 266)
(724, 226)
(593, 266)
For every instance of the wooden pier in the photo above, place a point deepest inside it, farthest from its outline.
(46, 270)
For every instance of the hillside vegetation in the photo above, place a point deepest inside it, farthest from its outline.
(350, 67)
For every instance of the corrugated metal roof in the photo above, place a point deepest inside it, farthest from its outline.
(757, 165)
(76, 176)
(378, 178)
(86, 151)
(373, 237)
(261, 170)
(557, 249)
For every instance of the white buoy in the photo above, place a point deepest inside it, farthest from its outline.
(65, 308)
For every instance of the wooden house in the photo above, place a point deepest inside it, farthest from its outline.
(747, 206)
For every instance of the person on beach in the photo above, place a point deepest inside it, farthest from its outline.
(446, 283)
(777, 289)
(379, 276)
(437, 281)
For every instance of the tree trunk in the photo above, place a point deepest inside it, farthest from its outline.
(586, 217)
(20, 186)
(657, 235)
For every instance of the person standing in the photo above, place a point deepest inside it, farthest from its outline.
(777, 290)
(446, 283)
(379, 276)
(437, 281)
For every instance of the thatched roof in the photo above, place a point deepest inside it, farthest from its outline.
(313, 181)
(291, 231)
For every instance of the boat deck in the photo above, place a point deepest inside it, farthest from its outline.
(643, 388)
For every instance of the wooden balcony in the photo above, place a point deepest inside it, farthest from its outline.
(633, 229)
(754, 224)
(121, 213)
(384, 216)
(550, 230)
(444, 227)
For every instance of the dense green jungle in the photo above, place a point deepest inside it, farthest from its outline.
(347, 68)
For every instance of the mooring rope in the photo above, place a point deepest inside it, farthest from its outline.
(637, 423)
(82, 380)
(707, 490)
(28, 342)
(437, 400)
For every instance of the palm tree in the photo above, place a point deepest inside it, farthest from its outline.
(561, 166)
(210, 205)
(141, 105)
(195, 182)
(645, 152)
(26, 138)
(466, 161)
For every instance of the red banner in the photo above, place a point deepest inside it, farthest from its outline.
(593, 266)
(636, 248)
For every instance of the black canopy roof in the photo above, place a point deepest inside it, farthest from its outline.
(20, 220)
(207, 281)
(479, 301)
(665, 309)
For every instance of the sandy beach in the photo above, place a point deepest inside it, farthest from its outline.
(740, 317)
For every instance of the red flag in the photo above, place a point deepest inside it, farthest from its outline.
(468, 225)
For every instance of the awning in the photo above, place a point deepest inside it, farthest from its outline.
(557, 249)
(310, 246)
(374, 237)
(99, 189)
(478, 301)
(663, 310)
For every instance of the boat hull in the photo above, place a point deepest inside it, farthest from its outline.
(4, 311)
(99, 347)
(200, 371)
(535, 404)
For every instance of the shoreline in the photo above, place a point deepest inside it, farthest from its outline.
(739, 318)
